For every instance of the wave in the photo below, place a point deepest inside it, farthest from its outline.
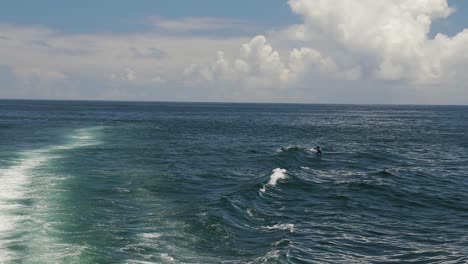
(297, 148)
(278, 174)
(382, 173)
(270, 257)
(295, 156)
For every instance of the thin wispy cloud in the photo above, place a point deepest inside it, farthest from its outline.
(196, 24)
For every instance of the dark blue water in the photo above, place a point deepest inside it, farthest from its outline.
(117, 182)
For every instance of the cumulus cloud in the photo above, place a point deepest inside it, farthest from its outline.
(257, 65)
(388, 38)
(353, 44)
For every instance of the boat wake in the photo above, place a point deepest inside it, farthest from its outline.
(24, 202)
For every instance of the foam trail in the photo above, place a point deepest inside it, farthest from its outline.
(81, 138)
(17, 187)
(278, 174)
(13, 190)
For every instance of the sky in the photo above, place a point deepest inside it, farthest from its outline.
(296, 51)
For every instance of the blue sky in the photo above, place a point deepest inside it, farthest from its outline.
(211, 50)
(124, 16)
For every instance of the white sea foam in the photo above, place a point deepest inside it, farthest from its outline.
(290, 147)
(13, 188)
(141, 262)
(289, 227)
(17, 186)
(151, 235)
(314, 150)
(297, 147)
(249, 212)
(282, 242)
(278, 174)
(166, 257)
(80, 138)
(271, 256)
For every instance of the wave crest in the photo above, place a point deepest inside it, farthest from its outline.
(278, 174)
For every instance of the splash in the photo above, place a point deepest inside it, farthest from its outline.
(278, 174)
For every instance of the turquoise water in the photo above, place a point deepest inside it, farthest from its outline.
(117, 182)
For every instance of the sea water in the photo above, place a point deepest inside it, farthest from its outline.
(129, 182)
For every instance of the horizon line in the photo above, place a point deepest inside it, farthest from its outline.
(225, 102)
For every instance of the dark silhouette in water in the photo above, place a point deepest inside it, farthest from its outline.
(319, 150)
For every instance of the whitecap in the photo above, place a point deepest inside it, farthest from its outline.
(289, 227)
(141, 262)
(166, 257)
(151, 235)
(313, 150)
(249, 212)
(282, 242)
(269, 256)
(278, 174)
(290, 147)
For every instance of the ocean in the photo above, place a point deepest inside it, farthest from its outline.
(142, 182)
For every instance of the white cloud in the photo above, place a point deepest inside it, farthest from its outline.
(344, 51)
(389, 37)
(257, 65)
(127, 75)
(37, 82)
(117, 57)
(260, 66)
(39, 74)
(367, 43)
